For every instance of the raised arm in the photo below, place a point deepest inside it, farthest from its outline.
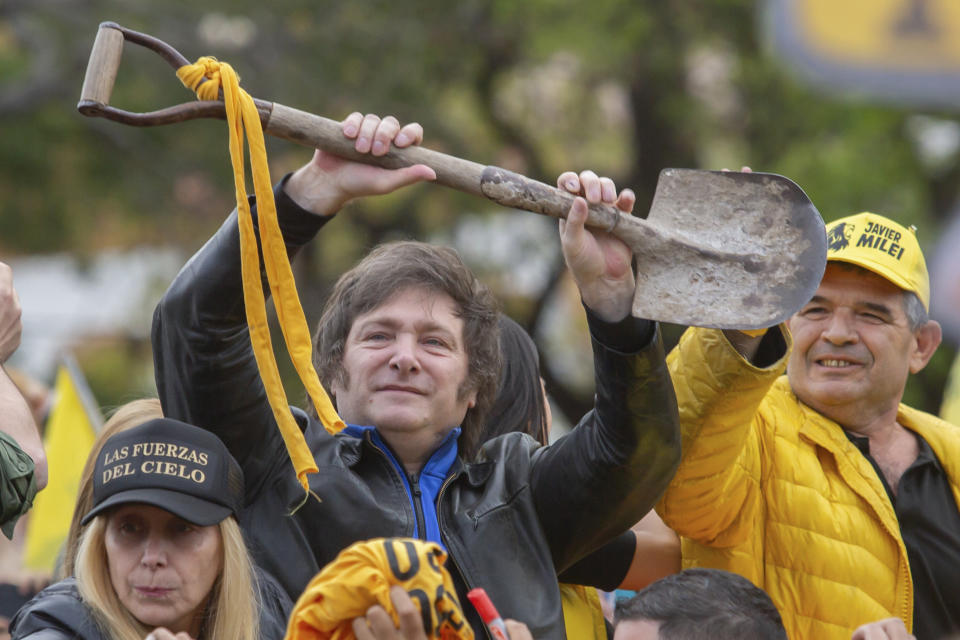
(605, 475)
(17, 420)
(632, 560)
(716, 492)
(205, 370)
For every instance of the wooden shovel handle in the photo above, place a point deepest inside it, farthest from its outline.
(494, 183)
(102, 67)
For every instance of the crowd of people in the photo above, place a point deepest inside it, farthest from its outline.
(799, 497)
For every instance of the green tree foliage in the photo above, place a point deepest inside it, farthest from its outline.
(624, 87)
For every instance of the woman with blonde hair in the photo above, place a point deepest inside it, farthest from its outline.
(161, 552)
(127, 415)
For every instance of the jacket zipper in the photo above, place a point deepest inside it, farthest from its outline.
(849, 475)
(453, 560)
(414, 479)
(414, 486)
(418, 515)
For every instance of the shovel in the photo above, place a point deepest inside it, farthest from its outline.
(718, 249)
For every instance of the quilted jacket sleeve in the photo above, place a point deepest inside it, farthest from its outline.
(715, 495)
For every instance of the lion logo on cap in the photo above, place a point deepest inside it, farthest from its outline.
(839, 237)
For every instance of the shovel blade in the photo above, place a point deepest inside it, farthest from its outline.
(743, 250)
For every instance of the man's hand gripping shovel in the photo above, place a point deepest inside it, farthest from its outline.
(718, 249)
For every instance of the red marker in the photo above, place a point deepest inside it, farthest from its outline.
(481, 602)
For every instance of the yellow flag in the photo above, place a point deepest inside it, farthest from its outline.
(71, 430)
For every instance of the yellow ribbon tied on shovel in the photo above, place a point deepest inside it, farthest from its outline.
(207, 77)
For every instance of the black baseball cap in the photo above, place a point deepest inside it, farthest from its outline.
(172, 465)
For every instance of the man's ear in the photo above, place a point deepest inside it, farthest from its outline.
(928, 338)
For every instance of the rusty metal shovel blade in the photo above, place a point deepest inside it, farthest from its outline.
(729, 250)
(738, 250)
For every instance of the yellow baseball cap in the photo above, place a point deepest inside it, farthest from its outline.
(881, 245)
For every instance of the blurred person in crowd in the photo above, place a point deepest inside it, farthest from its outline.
(820, 486)
(162, 552)
(17, 582)
(637, 557)
(23, 465)
(407, 347)
(699, 604)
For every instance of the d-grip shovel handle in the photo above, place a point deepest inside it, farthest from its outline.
(504, 187)
(102, 74)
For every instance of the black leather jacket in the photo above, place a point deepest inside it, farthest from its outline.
(58, 613)
(510, 521)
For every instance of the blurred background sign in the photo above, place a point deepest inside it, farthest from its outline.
(906, 51)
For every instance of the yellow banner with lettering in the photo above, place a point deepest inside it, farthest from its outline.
(922, 35)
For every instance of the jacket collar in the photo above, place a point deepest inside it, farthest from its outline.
(855, 469)
(477, 473)
(942, 438)
(351, 446)
(441, 459)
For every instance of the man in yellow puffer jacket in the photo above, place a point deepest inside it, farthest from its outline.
(820, 486)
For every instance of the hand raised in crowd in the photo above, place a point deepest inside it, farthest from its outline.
(600, 263)
(161, 633)
(10, 324)
(326, 183)
(887, 629)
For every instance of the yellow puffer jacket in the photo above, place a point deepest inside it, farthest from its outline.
(772, 490)
(582, 612)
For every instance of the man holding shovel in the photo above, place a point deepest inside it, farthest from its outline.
(407, 347)
(820, 486)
